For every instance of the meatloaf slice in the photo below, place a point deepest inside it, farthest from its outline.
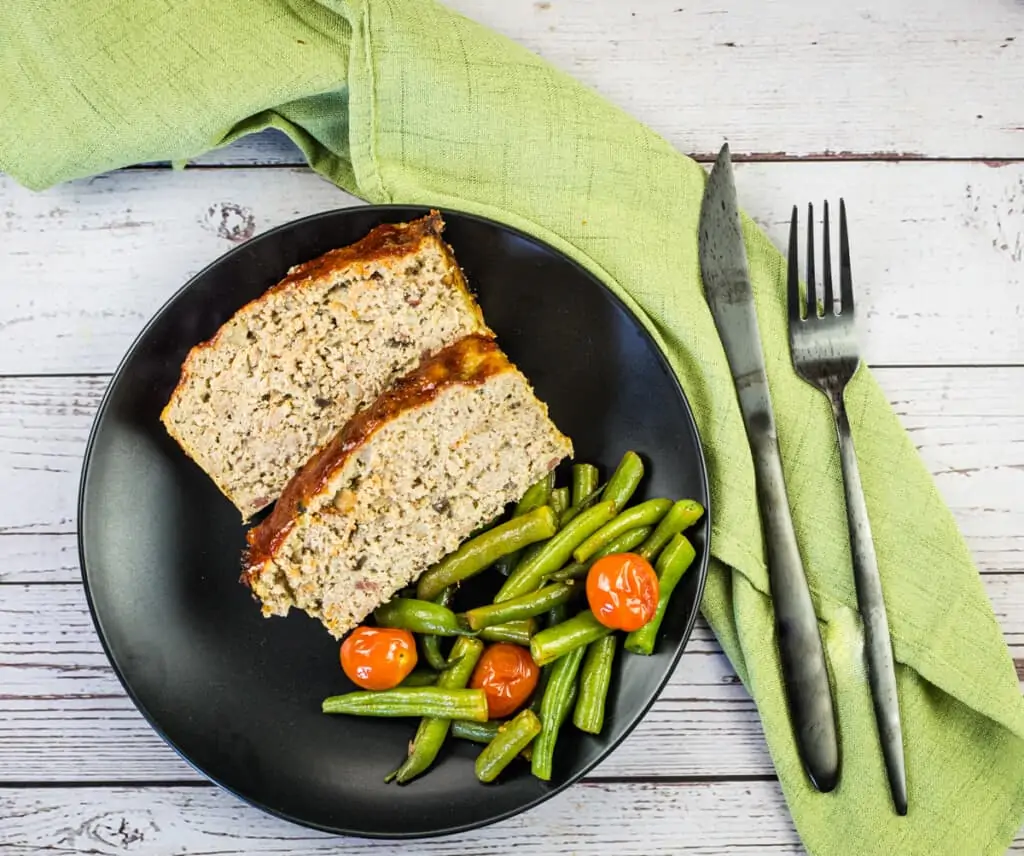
(288, 370)
(407, 480)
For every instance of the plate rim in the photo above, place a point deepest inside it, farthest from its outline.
(551, 791)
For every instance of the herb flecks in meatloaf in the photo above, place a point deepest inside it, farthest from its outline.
(288, 370)
(408, 479)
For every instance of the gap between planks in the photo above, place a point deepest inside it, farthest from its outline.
(62, 696)
(291, 159)
(968, 425)
(926, 237)
(627, 819)
(596, 818)
(893, 77)
(63, 709)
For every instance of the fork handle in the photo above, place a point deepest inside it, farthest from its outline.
(881, 666)
(808, 693)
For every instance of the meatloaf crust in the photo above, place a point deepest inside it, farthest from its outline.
(286, 372)
(468, 362)
(440, 453)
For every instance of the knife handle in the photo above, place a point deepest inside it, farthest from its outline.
(803, 658)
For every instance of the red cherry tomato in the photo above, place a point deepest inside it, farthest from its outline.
(378, 658)
(507, 675)
(622, 590)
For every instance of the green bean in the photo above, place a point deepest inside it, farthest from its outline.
(623, 544)
(536, 496)
(481, 552)
(507, 564)
(476, 732)
(420, 678)
(672, 564)
(559, 499)
(556, 615)
(538, 692)
(584, 482)
(595, 678)
(645, 514)
(526, 606)
(411, 701)
(539, 494)
(578, 632)
(554, 708)
(574, 694)
(575, 510)
(490, 524)
(516, 632)
(555, 552)
(419, 616)
(510, 740)
(483, 732)
(680, 516)
(624, 481)
(432, 731)
(430, 643)
(572, 571)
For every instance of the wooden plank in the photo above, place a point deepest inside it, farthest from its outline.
(39, 558)
(63, 715)
(926, 237)
(967, 422)
(968, 425)
(599, 819)
(63, 709)
(892, 78)
(44, 427)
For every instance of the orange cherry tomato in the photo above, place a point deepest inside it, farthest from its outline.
(507, 675)
(378, 658)
(622, 590)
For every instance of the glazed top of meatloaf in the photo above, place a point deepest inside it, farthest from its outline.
(289, 368)
(389, 240)
(383, 242)
(470, 361)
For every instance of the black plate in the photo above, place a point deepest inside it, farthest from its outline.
(238, 695)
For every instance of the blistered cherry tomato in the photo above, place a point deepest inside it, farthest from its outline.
(507, 675)
(378, 658)
(622, 590)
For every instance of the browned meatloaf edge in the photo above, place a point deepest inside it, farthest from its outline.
(286, 372)
(470, 361)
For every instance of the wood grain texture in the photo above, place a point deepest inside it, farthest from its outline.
(64, 716)
(967, 422)
(939, 271)
(594, 818)
(926, 238)
(61, 708)
(598, 819)
(39, 558)
(896, 79)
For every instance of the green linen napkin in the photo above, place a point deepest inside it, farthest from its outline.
(405, 101)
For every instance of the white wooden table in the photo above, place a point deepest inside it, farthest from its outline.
(911, 109)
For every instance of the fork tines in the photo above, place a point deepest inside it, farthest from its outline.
(800, 310)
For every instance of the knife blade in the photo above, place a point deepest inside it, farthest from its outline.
(723, 265)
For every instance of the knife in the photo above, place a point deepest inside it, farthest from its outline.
(723, 266)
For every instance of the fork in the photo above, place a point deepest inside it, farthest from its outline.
(825, 354)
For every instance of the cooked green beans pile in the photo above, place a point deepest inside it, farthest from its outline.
(538, 558)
